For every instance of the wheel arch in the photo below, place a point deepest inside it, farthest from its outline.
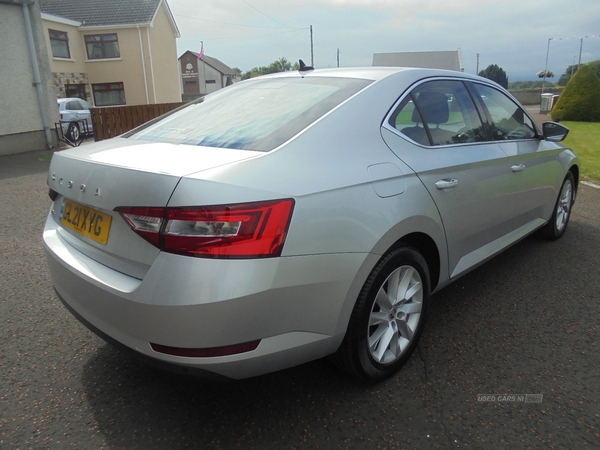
(427, 247)
(426, 234)
(574, 169)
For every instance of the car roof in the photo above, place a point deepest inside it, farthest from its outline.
(64, 100)
(375, 73)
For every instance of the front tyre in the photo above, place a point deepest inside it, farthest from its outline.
(557, 225)
(388, 317)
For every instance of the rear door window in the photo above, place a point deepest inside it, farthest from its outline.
(439, 112)
(73, 106)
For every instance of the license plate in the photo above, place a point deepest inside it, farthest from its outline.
(86, 221)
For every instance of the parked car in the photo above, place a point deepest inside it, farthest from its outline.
(300, 215)
(72, 112)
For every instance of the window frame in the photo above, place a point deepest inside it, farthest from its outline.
(103, 40)
(481, 108)
(494, 136)
(95, 90)
(59, 39)
(409, 94)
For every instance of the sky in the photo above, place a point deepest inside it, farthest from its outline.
(517, 35)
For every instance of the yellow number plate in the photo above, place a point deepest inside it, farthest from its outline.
(86, 221)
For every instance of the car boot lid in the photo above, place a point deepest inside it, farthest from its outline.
(127, 172)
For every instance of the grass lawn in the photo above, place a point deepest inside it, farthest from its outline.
(584, 139)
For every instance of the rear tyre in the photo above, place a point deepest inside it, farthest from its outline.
(388, 317)
(73, 132)
(557, 225)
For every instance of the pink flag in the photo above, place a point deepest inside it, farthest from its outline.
(201, 54)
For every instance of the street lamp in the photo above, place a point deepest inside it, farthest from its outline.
(546, 67)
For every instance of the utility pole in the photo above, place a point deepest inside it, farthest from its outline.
(338, 57)
(477, 70)
(203, 69)
(312, 56)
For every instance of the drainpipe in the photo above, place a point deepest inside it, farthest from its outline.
(143, 64)
(151, 64)
(36, 74)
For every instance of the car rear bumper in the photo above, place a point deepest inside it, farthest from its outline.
(298, 307)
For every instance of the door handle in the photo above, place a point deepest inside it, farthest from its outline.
(518, 167)
(446, 183)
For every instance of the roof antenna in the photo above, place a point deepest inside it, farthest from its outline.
(304, 67)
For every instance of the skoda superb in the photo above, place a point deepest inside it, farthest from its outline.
(299, 215)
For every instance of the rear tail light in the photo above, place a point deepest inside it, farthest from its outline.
(248, 230)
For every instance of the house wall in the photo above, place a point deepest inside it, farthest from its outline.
(71, 70)
(21, 124)
(164, 54)
(193, 71)
(128, 69)
(193, 78)
(147, 65)
(189, 74)
(212, 76)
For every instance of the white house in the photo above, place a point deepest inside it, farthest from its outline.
(450, 60)
(29, 105)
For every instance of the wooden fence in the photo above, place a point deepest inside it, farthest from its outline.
(112, 121)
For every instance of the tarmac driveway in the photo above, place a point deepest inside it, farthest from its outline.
(527, 322)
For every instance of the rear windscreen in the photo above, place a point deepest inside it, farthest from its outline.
(255, 115)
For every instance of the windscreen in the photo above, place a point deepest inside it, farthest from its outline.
(255, 115)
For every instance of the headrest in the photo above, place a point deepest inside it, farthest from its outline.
(434, 106)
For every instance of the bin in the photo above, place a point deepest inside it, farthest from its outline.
(548, 102)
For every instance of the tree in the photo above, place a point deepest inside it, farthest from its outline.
(565, 77)
(279, 65)
(495, 73)
(580, 99)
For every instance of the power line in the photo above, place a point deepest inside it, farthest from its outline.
(226, 23)
(267, 16)
(232, 39)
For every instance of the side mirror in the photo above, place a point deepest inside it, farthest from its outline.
(554, 132)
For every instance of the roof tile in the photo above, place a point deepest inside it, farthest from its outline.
(102, 12)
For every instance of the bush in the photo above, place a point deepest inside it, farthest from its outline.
(580, 100)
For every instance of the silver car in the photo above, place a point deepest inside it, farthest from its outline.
(73, 112)
(300, 215)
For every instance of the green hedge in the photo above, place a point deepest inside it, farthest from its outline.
(580, 100)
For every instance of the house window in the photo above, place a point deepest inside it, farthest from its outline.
(101, 46)
(59, 41)
(108, 94)
(75, 90)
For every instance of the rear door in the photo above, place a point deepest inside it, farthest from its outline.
(438, 131)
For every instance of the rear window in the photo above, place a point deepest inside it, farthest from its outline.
(255, 115)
